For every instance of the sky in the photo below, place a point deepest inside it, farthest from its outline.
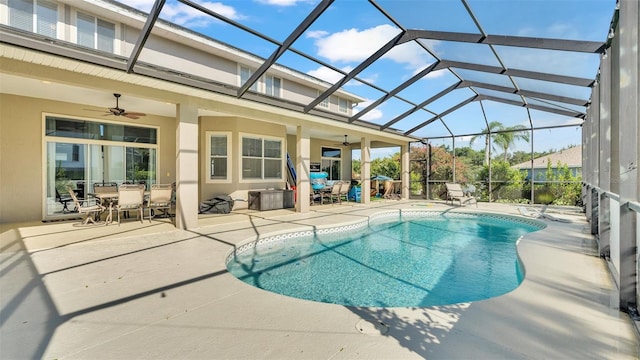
(349, 31)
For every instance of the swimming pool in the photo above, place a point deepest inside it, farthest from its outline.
(393, 259)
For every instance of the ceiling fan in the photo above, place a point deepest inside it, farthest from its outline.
(118, 111)
(345, 142)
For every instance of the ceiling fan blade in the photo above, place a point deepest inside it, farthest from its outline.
(130, 116)
(134, 113)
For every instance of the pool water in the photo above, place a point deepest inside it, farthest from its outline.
(409, 262)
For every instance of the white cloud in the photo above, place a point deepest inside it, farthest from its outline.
(354, 45)
(280, 2)
(410, 54)
(328, 75)
(181, 14)
(433, 74)
(316, 34)
(372, 115)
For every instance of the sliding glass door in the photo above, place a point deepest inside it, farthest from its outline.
(80, 154)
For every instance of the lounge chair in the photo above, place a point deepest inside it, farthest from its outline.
(455, 193)
(537, 214)
(90, 211)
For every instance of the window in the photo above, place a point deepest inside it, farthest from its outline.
(219, 145)
(40, 16)
(81, 129)
(95, 33)
(342, 105)
(331, 162)
(325, 102)
(261, 158)
(245, 74)
(273, 86)
(75, 153)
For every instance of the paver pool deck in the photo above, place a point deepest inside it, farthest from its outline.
(149, 291)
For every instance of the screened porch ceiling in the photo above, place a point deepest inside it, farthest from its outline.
(426, 69)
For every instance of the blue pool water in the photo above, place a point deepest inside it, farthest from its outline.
(410, 262)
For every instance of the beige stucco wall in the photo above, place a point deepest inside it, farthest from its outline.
(236, 189)
(21, 152)
(181, 57)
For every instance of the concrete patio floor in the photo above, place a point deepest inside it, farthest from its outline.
(148, 291)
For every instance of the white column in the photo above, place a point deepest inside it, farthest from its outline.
(186, 166)
(303, 160)
(365, 170)
(405, 169)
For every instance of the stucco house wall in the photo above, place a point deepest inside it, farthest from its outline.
(22, 149)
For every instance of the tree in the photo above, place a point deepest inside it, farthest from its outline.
(441, 169)
(356, 167)
(507, 183)
(387, 166)
(508, 137)
(469, 156)
(486, 133)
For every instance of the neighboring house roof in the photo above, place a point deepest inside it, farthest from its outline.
(571, 156)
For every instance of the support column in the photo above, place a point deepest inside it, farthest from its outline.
(303, 162)
(629, 34)
(586, 164)
(186, 166)
(365, 170)
(604, 225)
(405, 169)
(594, 155)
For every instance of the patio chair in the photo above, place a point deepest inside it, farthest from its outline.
(344, 191)
(314, 195)
(159, 199)
(130, 197)
(90, 211)
(455, 193)
(63, 200)
(99, 188)
(334, 194)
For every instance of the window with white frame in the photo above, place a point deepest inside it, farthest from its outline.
(95, 33)
(273, 86)
(245, 74)
(219, 150)
(261, 158)
(325, 102)
(39, 16)
(343, 105)
(331, 162)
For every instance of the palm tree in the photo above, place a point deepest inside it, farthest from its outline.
(508, 137)
(486, 132)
